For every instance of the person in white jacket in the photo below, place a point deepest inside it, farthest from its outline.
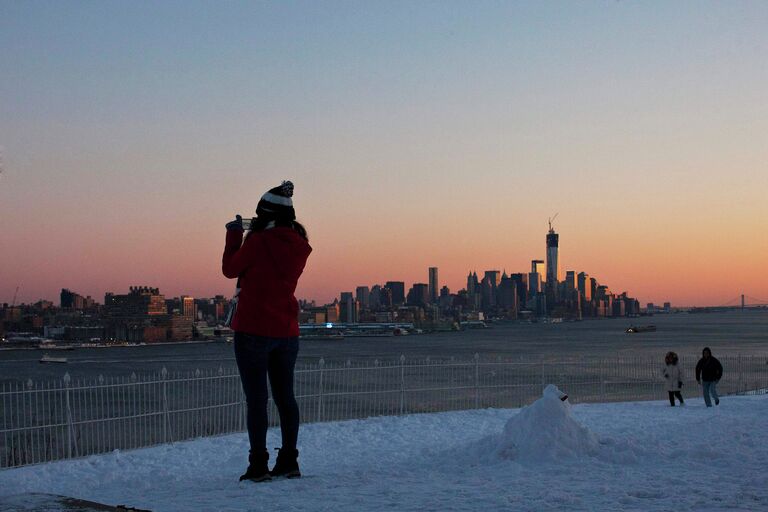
(674, 377)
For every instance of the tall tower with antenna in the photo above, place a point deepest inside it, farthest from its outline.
(553, 263)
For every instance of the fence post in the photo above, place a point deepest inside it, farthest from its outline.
(741, 374)
(402, 384)
(319, 418)
(543, 382)
(70, 425)
(198, 400)
(29, 443)
(243, 409)
(601, 366)
(477, 380)
(166, 414)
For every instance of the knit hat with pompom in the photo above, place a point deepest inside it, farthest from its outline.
(277, 204)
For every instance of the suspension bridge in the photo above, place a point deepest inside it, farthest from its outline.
(743, 301)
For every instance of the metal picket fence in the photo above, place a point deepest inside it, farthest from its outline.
(47, 421)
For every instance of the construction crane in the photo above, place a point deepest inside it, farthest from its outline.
(14, 296)
(551, 219)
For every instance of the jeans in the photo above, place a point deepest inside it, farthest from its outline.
(709, 387)
(259, 357)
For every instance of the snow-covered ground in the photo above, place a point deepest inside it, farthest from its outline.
(643, 456)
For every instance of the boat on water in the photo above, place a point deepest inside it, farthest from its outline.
(641, 328)
(51, 359)
(55, 347)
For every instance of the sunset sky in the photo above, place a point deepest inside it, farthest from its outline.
(417, 134)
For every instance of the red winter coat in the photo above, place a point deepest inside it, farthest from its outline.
(269, 264)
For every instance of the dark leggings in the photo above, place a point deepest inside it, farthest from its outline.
(672, 395)
(258, 357)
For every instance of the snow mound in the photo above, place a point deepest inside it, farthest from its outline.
(546, 431)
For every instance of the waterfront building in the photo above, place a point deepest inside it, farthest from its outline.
(74, 301)
(593, 284)
(348, 308)
(570, 285)
(385, 296)
(553, 266)
(141, 300)
(332, 312)
(534, 283)
(397, 288)
(487, 294)
(494, 277)
(418, 295)
(521, 286)
(433, 285)
(473, 291)
(363, 296)
(188, 306)
(585, 290)
(220, 305)
(619, 308)
(374, 297)
(179, 328)
(446, 300)
(138, 316)
(507, 299)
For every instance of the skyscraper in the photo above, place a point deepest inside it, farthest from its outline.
(418, 295)
(363, 296)
(494, 277)
(536, 277)
(398, 292)
(584, 288)
(187, 306)
(472, 283)
(473, 290)
(571, 285)
(553, 265)
(507, 295)
(348, 308)
(521, 286)
(534, 283)
(374, 297)
(489, 297)
(434, 287)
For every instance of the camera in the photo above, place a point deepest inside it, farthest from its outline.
(247, 223)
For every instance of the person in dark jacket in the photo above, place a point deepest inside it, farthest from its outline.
(267, 265)
(709, 371)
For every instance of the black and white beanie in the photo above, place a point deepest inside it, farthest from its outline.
(277, 204)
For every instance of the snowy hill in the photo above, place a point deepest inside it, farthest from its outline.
(547, 456)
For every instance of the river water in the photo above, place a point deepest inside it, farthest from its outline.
(729, 333)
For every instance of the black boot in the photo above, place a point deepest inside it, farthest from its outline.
(286, 465)
(258, 470)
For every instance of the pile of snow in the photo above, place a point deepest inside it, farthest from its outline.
(546, 431)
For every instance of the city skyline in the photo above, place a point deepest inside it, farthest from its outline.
(542, 269)
(417, 134)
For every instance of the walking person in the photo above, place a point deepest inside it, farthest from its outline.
(674, 377)
(267, 264)
(709, 371)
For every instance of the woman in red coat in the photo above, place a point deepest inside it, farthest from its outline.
(267, 264)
